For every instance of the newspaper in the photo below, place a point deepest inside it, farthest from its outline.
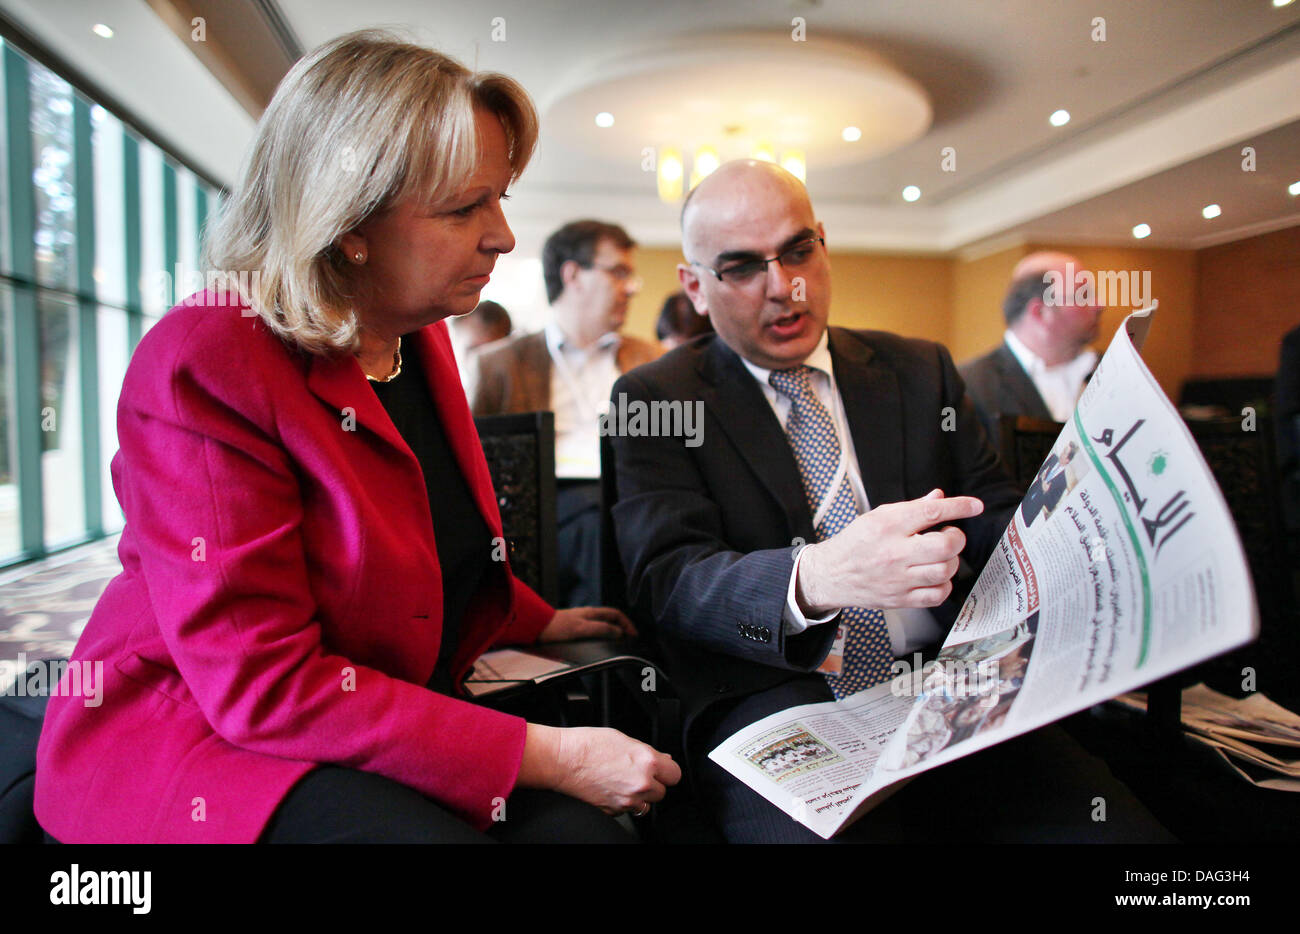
(1254, 737)
(1120, 566)
(505, 668)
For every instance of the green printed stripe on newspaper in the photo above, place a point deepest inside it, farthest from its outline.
(1132, 534)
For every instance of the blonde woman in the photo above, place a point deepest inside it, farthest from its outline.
(307, 569)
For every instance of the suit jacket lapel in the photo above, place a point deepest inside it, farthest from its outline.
(1018, 390)
(340, 381)
(873, 406)
(747, 419)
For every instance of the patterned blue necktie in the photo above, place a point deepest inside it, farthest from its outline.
(868, 658)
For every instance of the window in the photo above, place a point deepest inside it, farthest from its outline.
(98, 225)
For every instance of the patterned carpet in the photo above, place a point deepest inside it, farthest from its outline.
(44, 606)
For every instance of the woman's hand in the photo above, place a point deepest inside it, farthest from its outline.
(603, 767)
(587, 622)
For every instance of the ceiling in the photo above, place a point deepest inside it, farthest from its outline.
(1160, 109)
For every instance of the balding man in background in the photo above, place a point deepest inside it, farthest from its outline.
(1043, 362)
(833, 437)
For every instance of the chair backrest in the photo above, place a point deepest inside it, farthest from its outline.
(1026, 442)
(1241, 456)
(1229, 394)
(613, 579)
(520, 452)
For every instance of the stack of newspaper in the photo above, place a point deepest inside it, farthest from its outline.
(1256, 738)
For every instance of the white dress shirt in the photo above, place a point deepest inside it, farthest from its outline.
(909, 628)
(581, 380)
(1060, 385)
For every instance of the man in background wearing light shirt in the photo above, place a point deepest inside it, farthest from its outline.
(568, 368)
(1044, 361)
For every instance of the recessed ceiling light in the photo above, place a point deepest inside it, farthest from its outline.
(1142, 231)
(1210, 211)
(1294, 188)
(604, 119)
(1281, 2)
(104, 32)
(851, 134)
(911, 193)
(1059, 118)
(792, 160)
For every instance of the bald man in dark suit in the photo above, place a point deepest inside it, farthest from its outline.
(747, 568)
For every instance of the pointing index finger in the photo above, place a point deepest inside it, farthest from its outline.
(927, 512)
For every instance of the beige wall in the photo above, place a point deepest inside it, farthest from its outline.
(906, 294)
(977, 289)
(1223, 310)
(658, 269)
(1247, 297)
(909, 295)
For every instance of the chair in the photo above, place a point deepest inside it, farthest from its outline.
(605, 686)
(1228, 395)
(1244, 465)
(680, 819)
(613, 579)
(1026, 442)
(520, 452)
(20, 729)
(613, 592)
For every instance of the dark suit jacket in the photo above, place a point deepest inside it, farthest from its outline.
(516, 377)
(999, 385)
(706, 532)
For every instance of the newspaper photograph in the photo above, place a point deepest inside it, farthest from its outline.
(1120, 566)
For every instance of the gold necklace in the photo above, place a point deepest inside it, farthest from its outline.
(397, 367)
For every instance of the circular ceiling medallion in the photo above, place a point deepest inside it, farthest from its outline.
(735, 92)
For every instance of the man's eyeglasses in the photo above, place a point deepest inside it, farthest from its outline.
(622, 275)
(746, 271)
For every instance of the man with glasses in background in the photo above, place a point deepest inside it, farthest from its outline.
(568, 368)
(798, 547)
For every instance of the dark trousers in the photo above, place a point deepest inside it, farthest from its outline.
(1041, 787)
(577, 526)
(331, 804)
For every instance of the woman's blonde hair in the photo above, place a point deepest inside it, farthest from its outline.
(355, 126)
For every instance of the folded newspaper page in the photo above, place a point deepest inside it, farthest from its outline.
(1254, 718)
(504, 668)
(1120, 566)
(1254, 737)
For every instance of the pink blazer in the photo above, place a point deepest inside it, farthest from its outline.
(280, 603)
